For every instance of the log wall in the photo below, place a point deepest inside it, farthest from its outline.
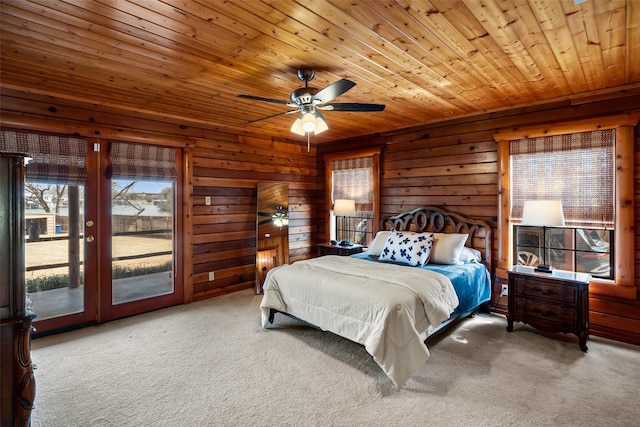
(454, 164)
(224, 233)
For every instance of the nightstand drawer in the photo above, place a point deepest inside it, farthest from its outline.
(556, 292)
(534, 309)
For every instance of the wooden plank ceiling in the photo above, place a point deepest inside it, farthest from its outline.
(183, 61)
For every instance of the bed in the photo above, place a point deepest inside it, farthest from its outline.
(424, 270)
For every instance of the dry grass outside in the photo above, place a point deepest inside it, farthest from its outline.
(56, 252)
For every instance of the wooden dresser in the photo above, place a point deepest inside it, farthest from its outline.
(551, 302)
(17, 383)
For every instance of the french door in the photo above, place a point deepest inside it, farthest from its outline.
(140, 233)
(102, 229)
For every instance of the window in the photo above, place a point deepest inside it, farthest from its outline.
(353, 177)
(585, 250)
(353, 180)
(577, 169)
(623, 217)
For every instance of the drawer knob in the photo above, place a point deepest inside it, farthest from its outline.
(540, 291)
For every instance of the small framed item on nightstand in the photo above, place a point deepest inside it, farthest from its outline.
(551, 302)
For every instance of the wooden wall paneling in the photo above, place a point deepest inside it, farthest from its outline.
(303, 224)
(186, 265)
(636, 191)
(624, 209)
(110, 122)
(608, 313)
(456, 170)
(225, 232)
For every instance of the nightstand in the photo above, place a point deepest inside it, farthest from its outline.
(550, 302)
(329, 249)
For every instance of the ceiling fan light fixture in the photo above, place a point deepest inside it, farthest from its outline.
(308, 100)
(309, 122)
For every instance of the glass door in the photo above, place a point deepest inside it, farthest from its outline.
(142, 236)
(59, 199)
(142, 258)
(101, 228)
(55, 263)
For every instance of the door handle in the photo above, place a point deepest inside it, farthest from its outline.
(90, 238)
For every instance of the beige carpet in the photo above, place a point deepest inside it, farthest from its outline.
(211, 364)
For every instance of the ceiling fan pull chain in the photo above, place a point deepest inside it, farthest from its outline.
(308, 142)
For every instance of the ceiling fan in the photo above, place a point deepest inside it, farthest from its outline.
(280, 217)
(308, 101)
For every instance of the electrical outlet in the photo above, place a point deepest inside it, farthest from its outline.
(505, 290)
(212, 276)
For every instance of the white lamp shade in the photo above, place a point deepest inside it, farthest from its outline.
(309, 123)
(321, 124)
(344, 207)
(297, 127)
(543, 213)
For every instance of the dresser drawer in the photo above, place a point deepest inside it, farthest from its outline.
(555, 292)
(535, 309)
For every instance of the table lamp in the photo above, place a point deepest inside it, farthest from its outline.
(543, 213)
(343, 208)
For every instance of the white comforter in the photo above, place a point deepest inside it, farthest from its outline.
(388, 308)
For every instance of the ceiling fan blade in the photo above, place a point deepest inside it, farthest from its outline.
(333, 91)
(266, 221)
(352, 106)
(265, 214)
(260, 98)
(273, 115)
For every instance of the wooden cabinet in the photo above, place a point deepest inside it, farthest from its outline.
(17, 386)
(329, 249)
(551, 302)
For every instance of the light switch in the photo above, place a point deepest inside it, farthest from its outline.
(207, 200)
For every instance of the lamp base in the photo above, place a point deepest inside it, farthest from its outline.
(544, 268)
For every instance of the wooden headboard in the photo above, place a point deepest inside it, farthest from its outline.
(437, 220)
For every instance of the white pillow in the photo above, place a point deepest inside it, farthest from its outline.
(468, 255)
(447, 248)
(407, 248)
(376, 246)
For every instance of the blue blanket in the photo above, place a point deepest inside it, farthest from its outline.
(471, 281)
